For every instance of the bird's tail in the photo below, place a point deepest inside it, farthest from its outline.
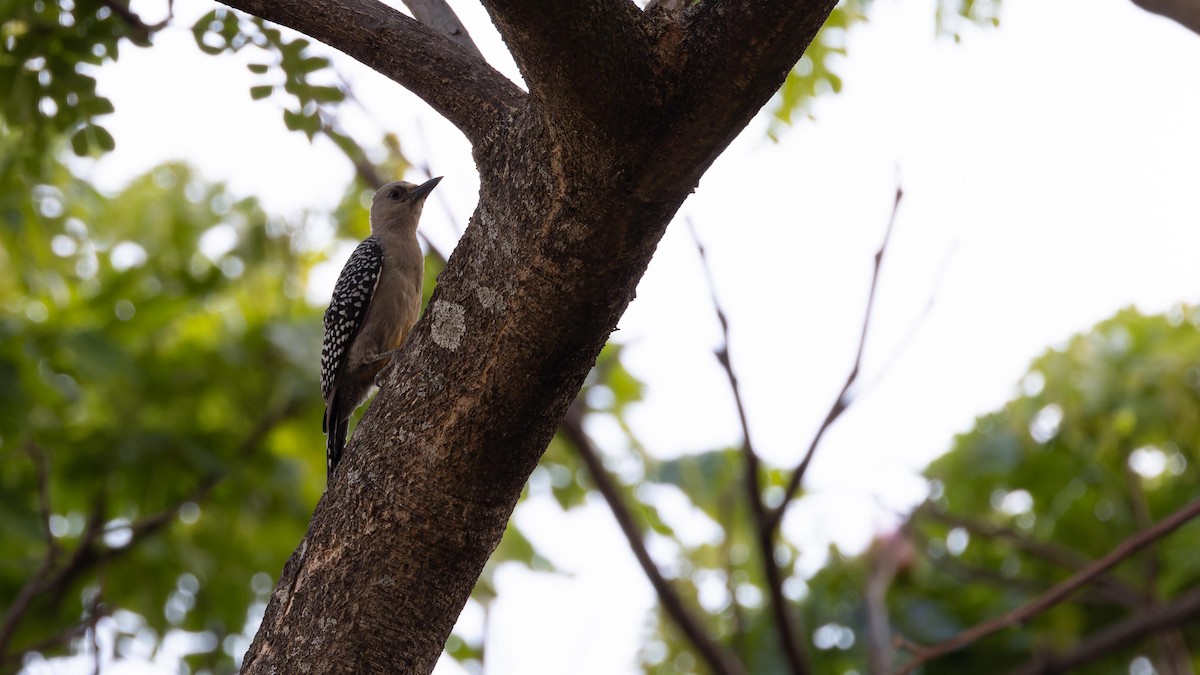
(336, 430)
(334, 445)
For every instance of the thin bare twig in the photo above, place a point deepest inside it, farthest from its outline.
(36, 583)
(1169, 616)
(1059, 592)
(913, 328)
(844, 397)
(785, 624)
(719, 659)
(1052, 553)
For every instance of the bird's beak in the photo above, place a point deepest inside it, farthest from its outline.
(424, 189)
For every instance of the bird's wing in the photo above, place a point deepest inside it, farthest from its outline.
(348, 309)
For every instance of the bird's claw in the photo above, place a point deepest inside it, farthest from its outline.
(378, 358)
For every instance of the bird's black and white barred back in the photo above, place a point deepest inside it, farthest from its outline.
(344, 318)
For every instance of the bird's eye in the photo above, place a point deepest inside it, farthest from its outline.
(394, 194)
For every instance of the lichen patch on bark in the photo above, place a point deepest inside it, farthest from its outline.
(449, 324)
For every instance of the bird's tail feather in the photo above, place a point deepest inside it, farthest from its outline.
(334, 444)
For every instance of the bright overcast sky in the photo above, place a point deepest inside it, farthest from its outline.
(1051, 170)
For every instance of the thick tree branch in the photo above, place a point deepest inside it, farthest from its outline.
(1059, 592)
(764, 533)
(718, 659)
(730, 38)
(579, 57)
(1184, 12)
(1120, 634)
(716, 49)
(844, 399)
(459, 85)
(439, 16)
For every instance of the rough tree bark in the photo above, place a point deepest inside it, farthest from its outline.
(579, 178)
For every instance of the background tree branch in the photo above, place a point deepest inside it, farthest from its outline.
(844, 397)
(718, 659)
(790, 635)
(1123, 633)
(1059, 592)
(1050, 552)
(438, 15)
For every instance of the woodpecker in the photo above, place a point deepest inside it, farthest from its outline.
(375, 303)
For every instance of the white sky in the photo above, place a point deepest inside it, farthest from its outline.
(1051, 170)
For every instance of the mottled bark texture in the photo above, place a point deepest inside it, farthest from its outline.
(579, 178)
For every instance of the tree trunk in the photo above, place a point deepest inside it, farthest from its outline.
(579, 179)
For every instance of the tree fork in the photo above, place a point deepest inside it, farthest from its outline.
(572, 205)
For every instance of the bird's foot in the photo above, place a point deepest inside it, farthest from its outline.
(382, 360)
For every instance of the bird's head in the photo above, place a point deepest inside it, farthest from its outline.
(399, 204)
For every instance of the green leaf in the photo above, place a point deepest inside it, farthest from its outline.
(258, 68)
(311, 64)
(293, 120)
(94, 106)
(104, 140)
(80, 142)
(261, 91)
(201, 30)
(326, 94)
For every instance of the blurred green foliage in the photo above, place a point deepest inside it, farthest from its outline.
(1103, 440)
(133, 336)
(158, 361)
(47, 74)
